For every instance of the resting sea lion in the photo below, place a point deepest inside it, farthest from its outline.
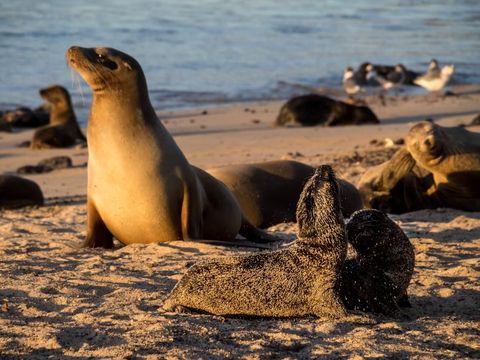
(378, 277)
(297, 281)
(268, 192)
(310, 110)
(16, 192)
(439, 166)
(63, 130)
(141, 188)
(310, 277)
(24, 117)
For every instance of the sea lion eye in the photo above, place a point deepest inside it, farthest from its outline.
(106, 62)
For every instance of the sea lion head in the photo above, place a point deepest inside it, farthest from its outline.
(106, 69)
(425, 141)
(319, 203)
(365, 225)
(56, 95)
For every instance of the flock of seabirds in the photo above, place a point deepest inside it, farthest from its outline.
(313, 276)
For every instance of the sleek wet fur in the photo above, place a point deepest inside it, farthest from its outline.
(268, 192)
(311, 110)
(63, 130)
(312, 276)
(16, 192)
(438, 167)
(141, 188)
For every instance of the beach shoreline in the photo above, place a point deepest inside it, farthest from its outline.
(60, 301)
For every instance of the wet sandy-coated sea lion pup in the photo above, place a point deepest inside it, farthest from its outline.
(438, 167)
(268, 192)
(310, 277)
(377, 278)
(16, 192)
(311, 110)
(141, 188)
(296, 281)
(63, 130)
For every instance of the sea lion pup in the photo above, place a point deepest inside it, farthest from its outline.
(439, 166)
(63, 129)
(376, 280)
(141, 188)
(269, 191)
(311, 110)
(296, 281)
(16, 192)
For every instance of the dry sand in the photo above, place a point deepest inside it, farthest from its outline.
(59, 301)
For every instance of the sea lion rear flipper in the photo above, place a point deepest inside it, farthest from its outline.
(255, 234)
(394, 170)
(97, 233)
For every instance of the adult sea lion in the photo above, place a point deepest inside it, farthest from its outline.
(63, 129)
(141, 188)
(268, 192)
(439, 166)
(312, 276)
(16, 192)
(311, 110)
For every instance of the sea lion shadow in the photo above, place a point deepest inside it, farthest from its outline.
(462, 304)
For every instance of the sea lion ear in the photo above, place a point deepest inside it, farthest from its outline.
(127, 65)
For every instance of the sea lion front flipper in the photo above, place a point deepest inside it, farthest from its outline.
(394, 170)
(97, 233)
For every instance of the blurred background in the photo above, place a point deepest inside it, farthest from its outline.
(201, 52)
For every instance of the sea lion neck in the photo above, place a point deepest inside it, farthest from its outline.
(131, 101)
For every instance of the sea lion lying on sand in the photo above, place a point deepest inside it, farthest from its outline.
(311, 276)
(310, 110)
(16, 192)
(438, 167)
(268, 192)
(63, 130)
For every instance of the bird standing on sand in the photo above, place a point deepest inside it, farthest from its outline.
(434, 80)
(350, 85)
(393, 79)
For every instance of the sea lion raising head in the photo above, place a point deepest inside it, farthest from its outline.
(297, 281)
(63, 129)
(141, 188)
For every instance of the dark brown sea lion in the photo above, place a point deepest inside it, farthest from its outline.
(141, 188)
(16, 192)
(311, 110)
(310, 277)
(24, 117)
(438, 167)
(268, 192)
(63, 130)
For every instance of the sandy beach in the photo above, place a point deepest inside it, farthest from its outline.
(59, 301)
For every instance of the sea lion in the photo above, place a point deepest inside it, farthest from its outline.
(312, 276)
(310, 110)
(141, 188)
(268, 192)
(24, 117)
(63, 129)
(377, 278)
(296, 281)
(16, 192)
(439, 166)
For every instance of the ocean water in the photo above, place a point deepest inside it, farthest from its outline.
(200, 52)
